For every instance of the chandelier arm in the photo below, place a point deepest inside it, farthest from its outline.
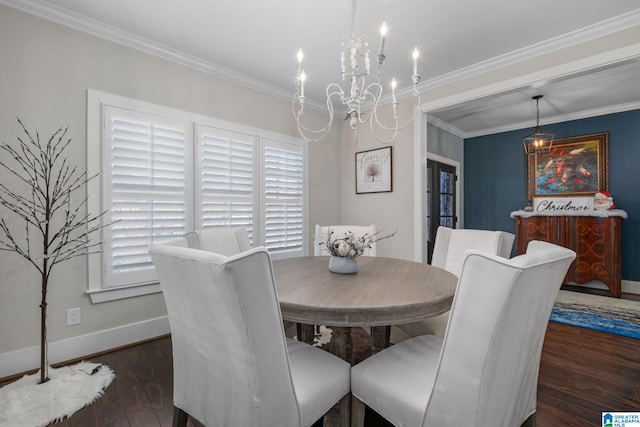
(309, 135)
(312, 135)
(337, 90)
(322, 133)
(397, 128)
(374, 90)
(387, 141)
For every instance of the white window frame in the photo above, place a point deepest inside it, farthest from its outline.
(98, 288)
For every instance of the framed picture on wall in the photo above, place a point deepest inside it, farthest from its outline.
(576, 166)
(373, 171)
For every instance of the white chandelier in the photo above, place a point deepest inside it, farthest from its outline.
(361, 94)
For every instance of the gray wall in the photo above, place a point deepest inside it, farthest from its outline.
(444, 143)
(46, 71)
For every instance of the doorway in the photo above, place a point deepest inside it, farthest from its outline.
(441, 200)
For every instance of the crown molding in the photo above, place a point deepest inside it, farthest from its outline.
(96, 28)
(601, 29)
(446, 126)
(612, 109)
(99, 29)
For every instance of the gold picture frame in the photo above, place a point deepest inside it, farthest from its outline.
(575, 166)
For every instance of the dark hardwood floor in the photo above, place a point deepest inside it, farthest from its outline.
(582, 373)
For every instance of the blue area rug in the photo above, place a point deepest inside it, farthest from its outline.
(606, 314)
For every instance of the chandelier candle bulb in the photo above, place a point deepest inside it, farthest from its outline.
(366, 62)
(416, 54)
(383, 34)
(303, 77)
(300, 57)
(394, 84)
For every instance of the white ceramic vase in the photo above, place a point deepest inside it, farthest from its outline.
(343, 265)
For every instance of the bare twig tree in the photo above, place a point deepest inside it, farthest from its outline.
(56, 229)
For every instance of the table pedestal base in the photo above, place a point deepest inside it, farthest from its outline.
(380, 336)
(341, 345)
(305, 332)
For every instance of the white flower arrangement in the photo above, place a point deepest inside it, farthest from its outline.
(350, 245)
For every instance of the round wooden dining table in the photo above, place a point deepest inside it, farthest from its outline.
(384, 292)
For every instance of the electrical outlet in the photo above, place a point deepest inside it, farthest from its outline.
(73, 316)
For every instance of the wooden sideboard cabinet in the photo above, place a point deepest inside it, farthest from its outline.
(595, 240)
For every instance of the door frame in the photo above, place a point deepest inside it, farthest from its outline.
(456, 165)
(420, 179)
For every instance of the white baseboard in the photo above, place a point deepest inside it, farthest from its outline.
(628, 286)
(15, 362)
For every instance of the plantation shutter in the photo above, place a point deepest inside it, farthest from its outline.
(283, 165)
(165, 172)
(226, 185)
(146, 187)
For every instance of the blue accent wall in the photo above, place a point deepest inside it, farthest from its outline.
(495, 177)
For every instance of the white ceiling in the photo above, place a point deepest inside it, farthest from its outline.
(255, 42)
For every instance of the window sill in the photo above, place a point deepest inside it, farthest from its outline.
(105, 295)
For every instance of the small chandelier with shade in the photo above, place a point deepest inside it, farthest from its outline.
(538, 141)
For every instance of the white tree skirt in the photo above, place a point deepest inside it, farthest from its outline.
(25, 403)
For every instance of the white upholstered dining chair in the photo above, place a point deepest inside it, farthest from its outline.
(484, 372)
(224, 242)
(448, 253)
(220, 241)
(338, 232)
(233, 365)
(451, 244)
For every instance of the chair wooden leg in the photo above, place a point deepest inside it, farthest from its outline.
(530, 422)
(345, 409)
(339, 415)
(179, 417)
(357, 412)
